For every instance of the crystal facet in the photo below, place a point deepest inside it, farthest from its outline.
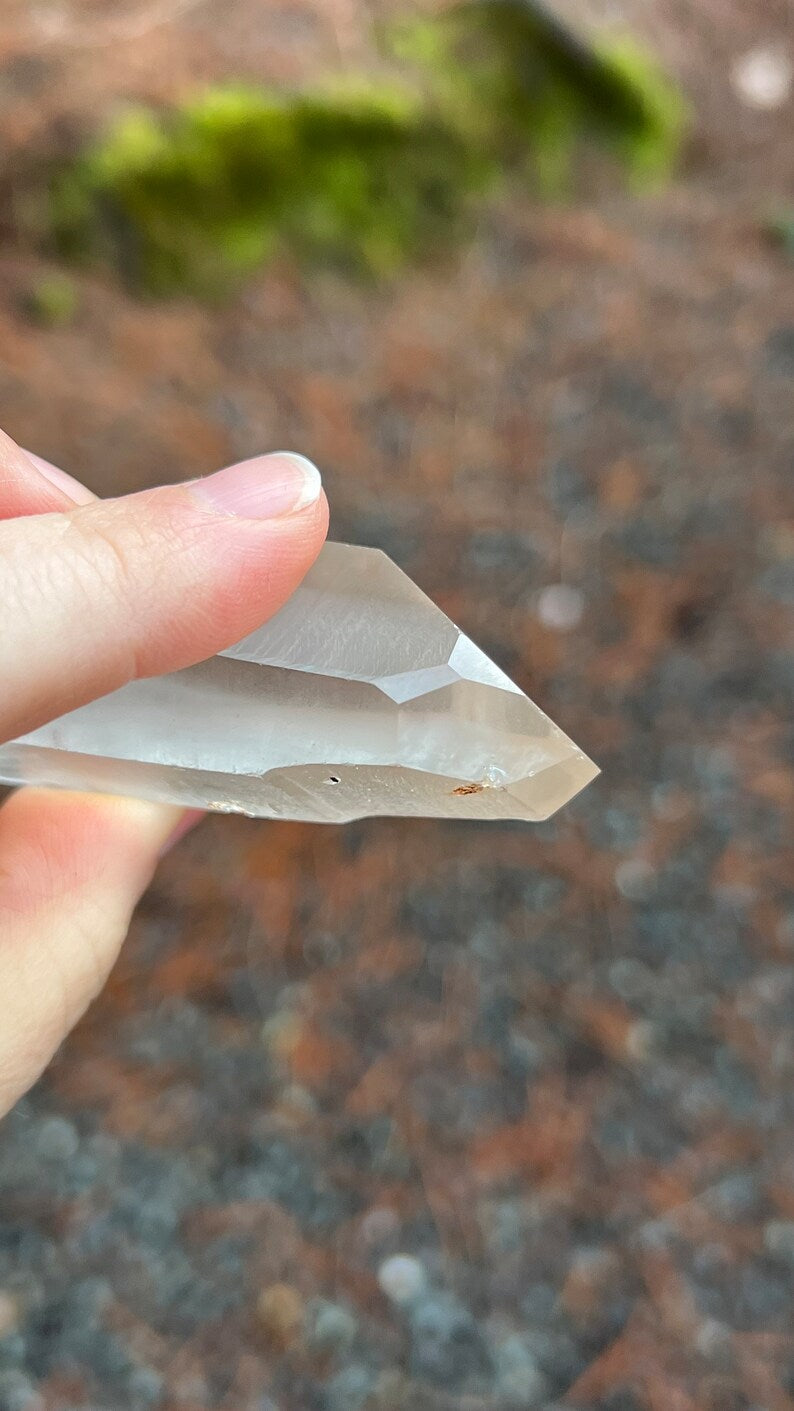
(359, 697)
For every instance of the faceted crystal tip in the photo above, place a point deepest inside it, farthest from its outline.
(359, 698)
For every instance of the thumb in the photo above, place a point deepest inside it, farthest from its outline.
(118, 589)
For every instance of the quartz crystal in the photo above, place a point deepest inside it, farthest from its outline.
(359, 697)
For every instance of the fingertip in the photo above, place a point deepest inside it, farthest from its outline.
(320, 514)
(262, 487)
(171, 581)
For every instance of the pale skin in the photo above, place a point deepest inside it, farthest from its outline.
(92, 594)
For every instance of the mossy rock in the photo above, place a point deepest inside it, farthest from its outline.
(52, 301)
(198, 198)
(530, 92)
(359, 177)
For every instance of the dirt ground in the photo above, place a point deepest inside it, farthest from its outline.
(551, 1068)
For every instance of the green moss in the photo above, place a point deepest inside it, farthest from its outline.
(198, 198)
(360, 177)
(52, 301)
(531, 93)
(657, 117)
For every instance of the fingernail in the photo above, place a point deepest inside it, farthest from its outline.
(262, 488)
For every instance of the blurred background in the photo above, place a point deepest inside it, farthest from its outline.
(405, 1116)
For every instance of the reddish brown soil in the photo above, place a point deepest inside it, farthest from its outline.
(555, 1066)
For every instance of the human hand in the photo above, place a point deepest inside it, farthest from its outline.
(95, 593)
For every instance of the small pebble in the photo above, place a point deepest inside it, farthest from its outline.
(9, 1313)
(630, 979)
(145, 1387)
(56, 1140)
(713, 1340)
(17, 1393)
(280, 1311)
(379, 1226)
(297, 1102)
(519, 1380)
(394, 1391)
(446, 1342)
(633, 878)
(669, 802)
(779, 1239)
(640, 1039)
(331, 1325)
(592, 1273)
(539, 1303)
(281, 1033)
(349, 1389)
(763, 77)
(734, 1197)
(560, 607)
(734, 896)
(402, 1278)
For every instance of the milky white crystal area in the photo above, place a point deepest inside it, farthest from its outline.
(360, 697)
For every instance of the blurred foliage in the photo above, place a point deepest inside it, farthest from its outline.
(531, 94)
(364, 176)
(201, 197)
(52, 301)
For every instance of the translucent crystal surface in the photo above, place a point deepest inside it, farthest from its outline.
(360, 697)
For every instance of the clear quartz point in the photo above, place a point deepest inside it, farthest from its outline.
(359, 697)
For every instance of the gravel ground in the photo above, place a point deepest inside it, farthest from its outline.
(404, 1116)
